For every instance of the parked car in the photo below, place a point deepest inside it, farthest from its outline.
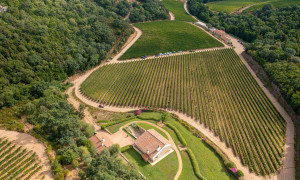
(156, 55)
(101, 106)
(180, 51)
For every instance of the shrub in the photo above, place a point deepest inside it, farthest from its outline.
(178, 134)
(230, 165)
(195, 164)
(126, 148)
(81, 174)
(239, 173)
(75, 163)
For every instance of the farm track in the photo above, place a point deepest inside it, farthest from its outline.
(288, 166)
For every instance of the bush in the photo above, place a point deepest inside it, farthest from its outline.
(239, 173)
(81, 174)
(75, 163)
(68, 156)
(230, 165)
(126, 148)
(195, 164)
(178, 134)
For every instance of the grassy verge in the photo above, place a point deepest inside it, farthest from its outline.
(231, 5)
(177, 8)
(166, 36)
(164, 169)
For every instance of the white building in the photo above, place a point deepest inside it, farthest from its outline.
(201, 24)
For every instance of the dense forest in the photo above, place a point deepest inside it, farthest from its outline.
(273, 40)
(42, 42)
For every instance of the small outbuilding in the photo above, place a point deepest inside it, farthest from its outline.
(152, 146)
(221, 34)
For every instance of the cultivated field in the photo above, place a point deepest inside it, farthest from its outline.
(177, 8)
(16, 162)
(231, 5)
(275, 3)
(214, 87)
(166, 36)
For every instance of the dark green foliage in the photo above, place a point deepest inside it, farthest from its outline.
(126, 148)
(239, 173)
(108, 166)
(230, 165)
(195, 164)
(178, 134)
(148, 10)
(42, 41)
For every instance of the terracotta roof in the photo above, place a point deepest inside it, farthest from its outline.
(150, 141)
(220, 32)
(97, 141)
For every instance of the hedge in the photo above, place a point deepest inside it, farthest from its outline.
(116, 122)
(215, 148)
(178, 134)
(126, 148)
(195, 164)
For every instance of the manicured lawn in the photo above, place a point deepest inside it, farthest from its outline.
(150, 115)
(115, 128)
(177, 8)
(165, 169)
(210, 165)
(148, 126)
(231, 5)
(166, 36)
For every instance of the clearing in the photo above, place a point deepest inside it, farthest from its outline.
(168, 36)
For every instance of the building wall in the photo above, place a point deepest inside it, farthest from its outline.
(164, 151)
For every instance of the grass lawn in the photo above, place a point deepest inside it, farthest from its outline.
(275, 3)
(150, 115)
(165, 169)
(210, 165)
(165, 36)
(231, 5)
(115, 128)
(148, 126)
(177, 8)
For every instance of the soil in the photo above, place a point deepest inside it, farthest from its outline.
(31, 143)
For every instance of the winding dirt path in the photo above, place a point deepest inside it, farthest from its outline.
(170, 139)
(31, 143)
(288, 171)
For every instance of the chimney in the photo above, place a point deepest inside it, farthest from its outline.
(148, 151)
(103, 140)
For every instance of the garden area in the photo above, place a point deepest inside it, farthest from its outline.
(205, 163)
(168, 36)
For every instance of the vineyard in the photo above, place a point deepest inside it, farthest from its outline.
(213, 87)
(16, 162)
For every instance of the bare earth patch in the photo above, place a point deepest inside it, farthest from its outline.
(30, 143)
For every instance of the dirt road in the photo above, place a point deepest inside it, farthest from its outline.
(288, 171)
(172, 16)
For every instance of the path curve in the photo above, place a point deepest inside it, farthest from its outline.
(172, 16)
(288, 163)
(288, 171)
(170, 139)
(31, 143)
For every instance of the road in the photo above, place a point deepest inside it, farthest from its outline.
(288, 171)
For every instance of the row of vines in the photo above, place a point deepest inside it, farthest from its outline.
(16, 162)
(213, 87)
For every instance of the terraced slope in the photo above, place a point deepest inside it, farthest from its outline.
(16, 162)
(214, 87)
